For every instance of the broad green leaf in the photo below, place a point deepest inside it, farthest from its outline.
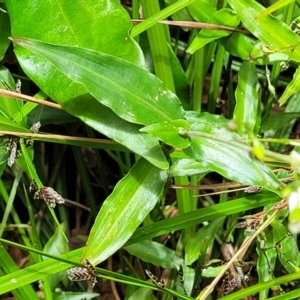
(131, 92)
(167, 132)
(292, 88)
(124, 210)
(155, 253)
(271, 31)
(245, 112)
(4, 33)
(76, 19)
(276, 121)
(187, 167)
(101, 26)
(226, 159)
(41, 270)
(205, 117)
(201, 10)
(238, 45)
(49, 115)
(104, 120)
(224, 17)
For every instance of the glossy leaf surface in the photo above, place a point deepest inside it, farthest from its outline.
(246, 99)
(124, 210)
(187, 167)
(167, 132)
(228, 160)
(224, 17)
(270, 30)
(71, 28)
(155, 253)
(131, 92)
(201, 10)
(124, 96)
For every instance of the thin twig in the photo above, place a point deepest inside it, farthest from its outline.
(57, 137)
(23, 97)
(199, 25)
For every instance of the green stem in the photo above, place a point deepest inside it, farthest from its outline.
(158, 41)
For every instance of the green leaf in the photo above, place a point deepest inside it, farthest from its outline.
(268, 29)
(276, 121)
(124, 210)
(226, 159)
(104, 120)
(142, 293)
(187, 167)
(35, 272)
(4, 33)
(204, 214)
(142, 98)
(238, 45)
(114, 40)
(201, 10)
(56, 245)
(292, 88)
(155, 253)
(9, 107)
(8, 124)
(198, 246)
(24, 291)
(180, 15)
(205, 117)
(224, 17)
(17, 279)
(245, 112)
(79, 24)
(167, 132)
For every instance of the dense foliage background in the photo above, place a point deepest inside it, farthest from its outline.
(150, 149)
